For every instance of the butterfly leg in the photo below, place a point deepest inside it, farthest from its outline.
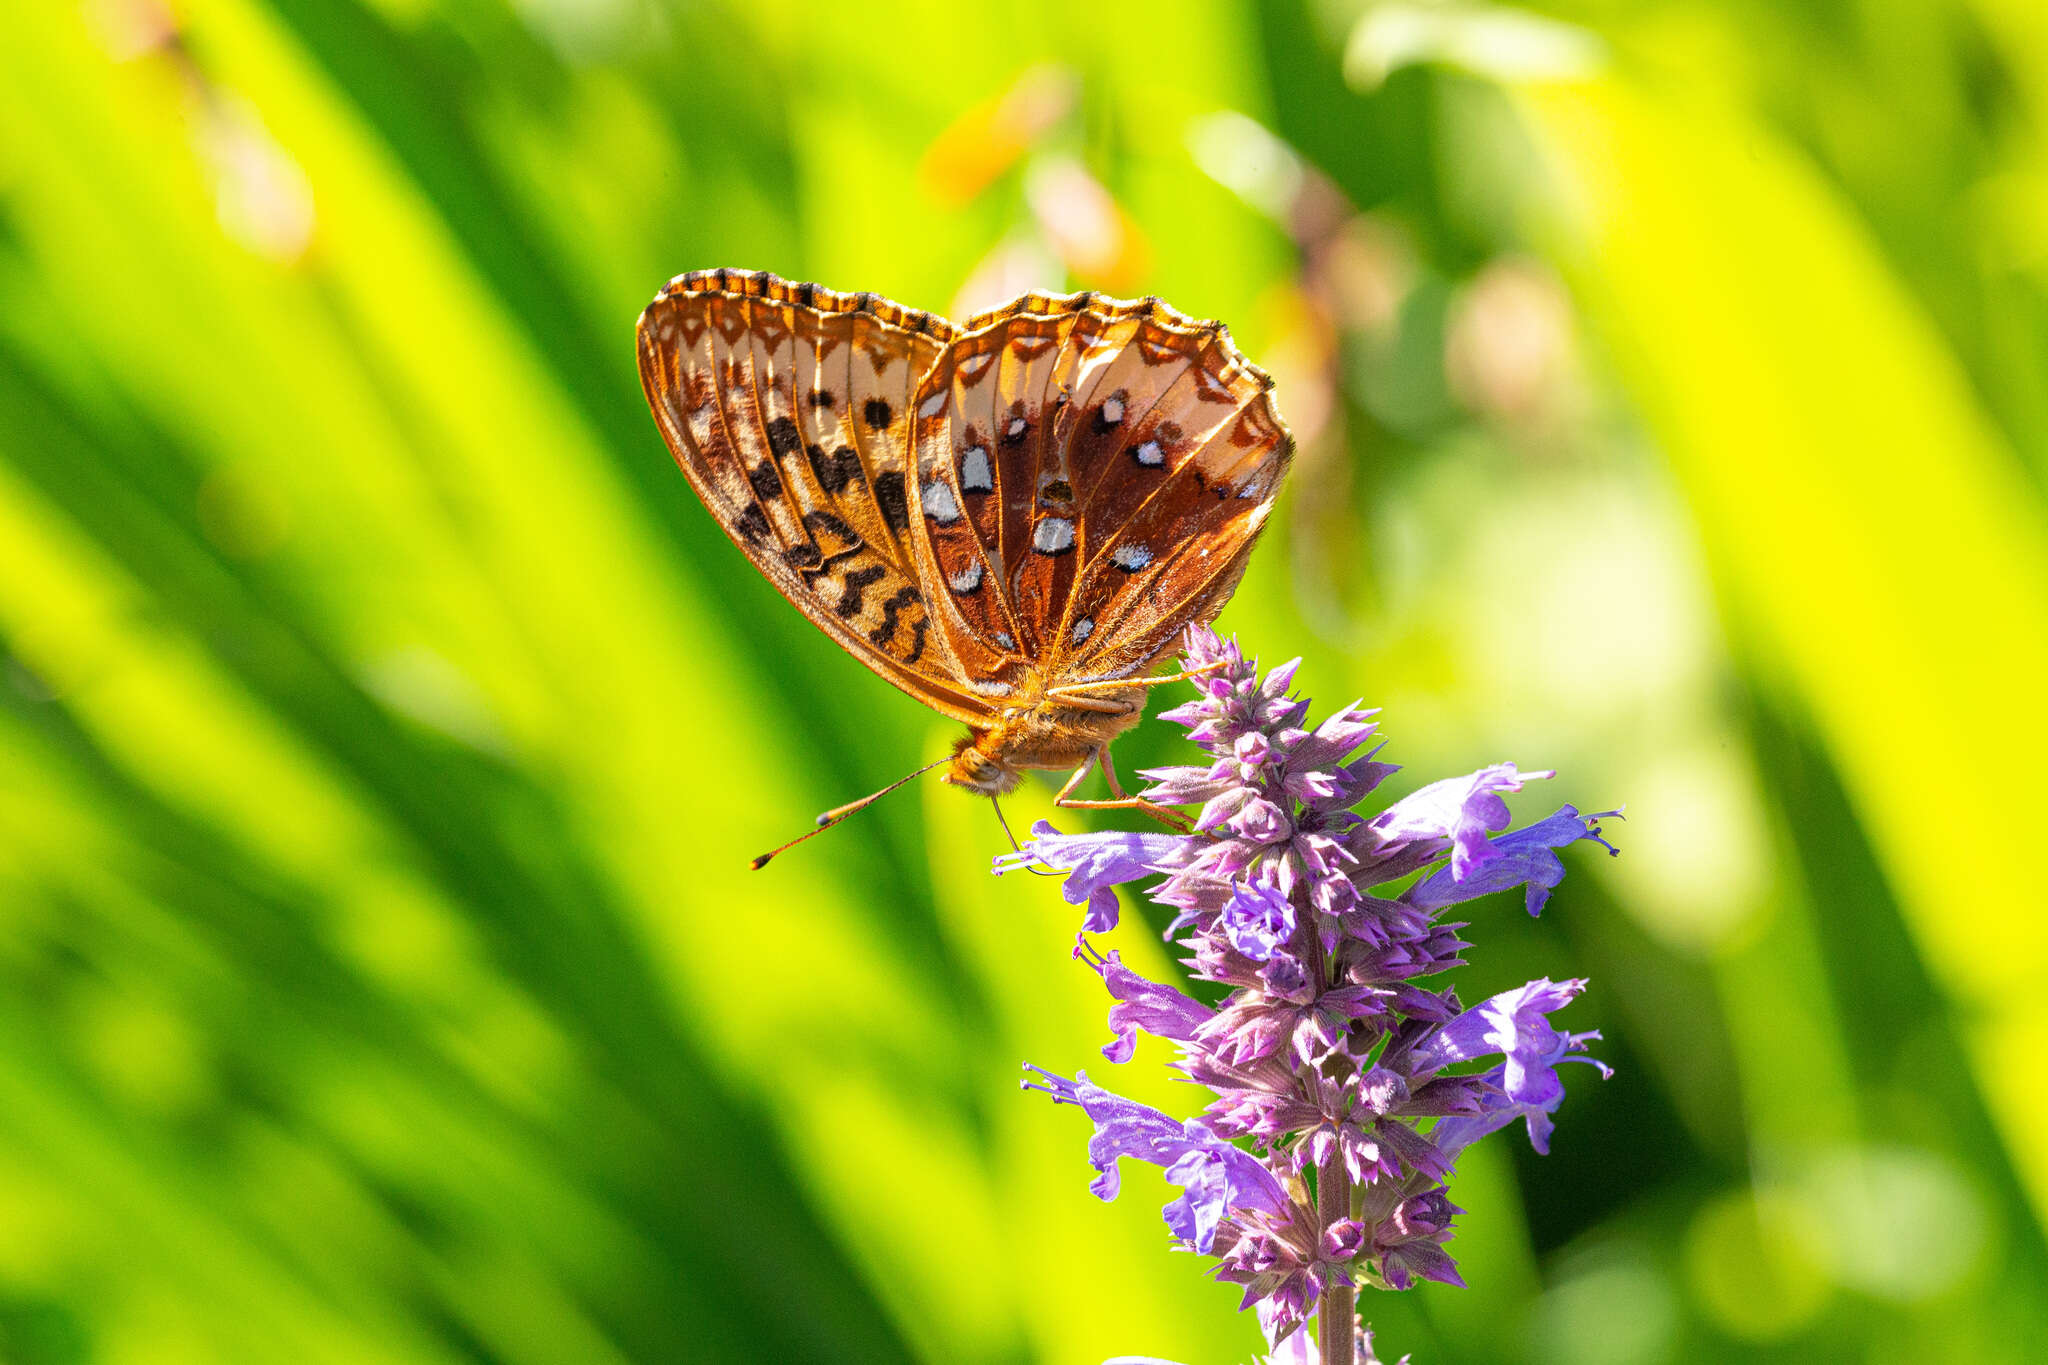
(1118, 801)
(1081, 702)
(1065, 796)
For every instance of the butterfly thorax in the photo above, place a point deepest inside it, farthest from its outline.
(1058, 733)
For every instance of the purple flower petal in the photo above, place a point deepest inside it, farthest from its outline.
(1259, 920)
(1453, 1135)
(1160, 1010)
(1215, 1176)
(1461, 809)
(1526, 857)
(1514, 1024)
(1095, 864)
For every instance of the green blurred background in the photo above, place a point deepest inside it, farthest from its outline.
(384, 728)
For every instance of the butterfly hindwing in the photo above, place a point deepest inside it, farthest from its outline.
(788, 407)
(1143, 455)
(1173, 558)
(1168, 522)
(983, 423)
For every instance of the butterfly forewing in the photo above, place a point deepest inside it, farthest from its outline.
(788, 407)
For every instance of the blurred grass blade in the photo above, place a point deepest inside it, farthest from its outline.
(1867, 524)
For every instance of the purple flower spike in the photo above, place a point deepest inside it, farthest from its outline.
(1526, 857)
(1337, 1052)
(1462, 809)
(1095, 863)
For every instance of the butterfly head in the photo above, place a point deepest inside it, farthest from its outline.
(978, 771)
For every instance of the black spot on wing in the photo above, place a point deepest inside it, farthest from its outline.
(834, 471)
(826, 524)
(875, 412)
(886, 629)
(783, 437)
(851, 590)
(752, 524)
(822, 398)
(826, 566)
(890, 497)
(767, 484)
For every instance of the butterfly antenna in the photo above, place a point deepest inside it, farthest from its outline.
(1004, 821)
(837, 813)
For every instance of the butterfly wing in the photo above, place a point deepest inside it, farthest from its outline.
(982, 419)
(1168, 524)
(1092, 475)
(789, 407)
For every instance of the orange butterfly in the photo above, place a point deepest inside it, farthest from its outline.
(1011, 519)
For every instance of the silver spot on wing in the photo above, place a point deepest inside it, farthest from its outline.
(940, 504)
(976, 475)
(1053, 536)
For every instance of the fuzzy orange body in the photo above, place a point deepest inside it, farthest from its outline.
(1057, 733)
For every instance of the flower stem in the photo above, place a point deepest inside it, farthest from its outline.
(1337, 1319)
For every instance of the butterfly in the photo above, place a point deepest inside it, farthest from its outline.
(1012, 518)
